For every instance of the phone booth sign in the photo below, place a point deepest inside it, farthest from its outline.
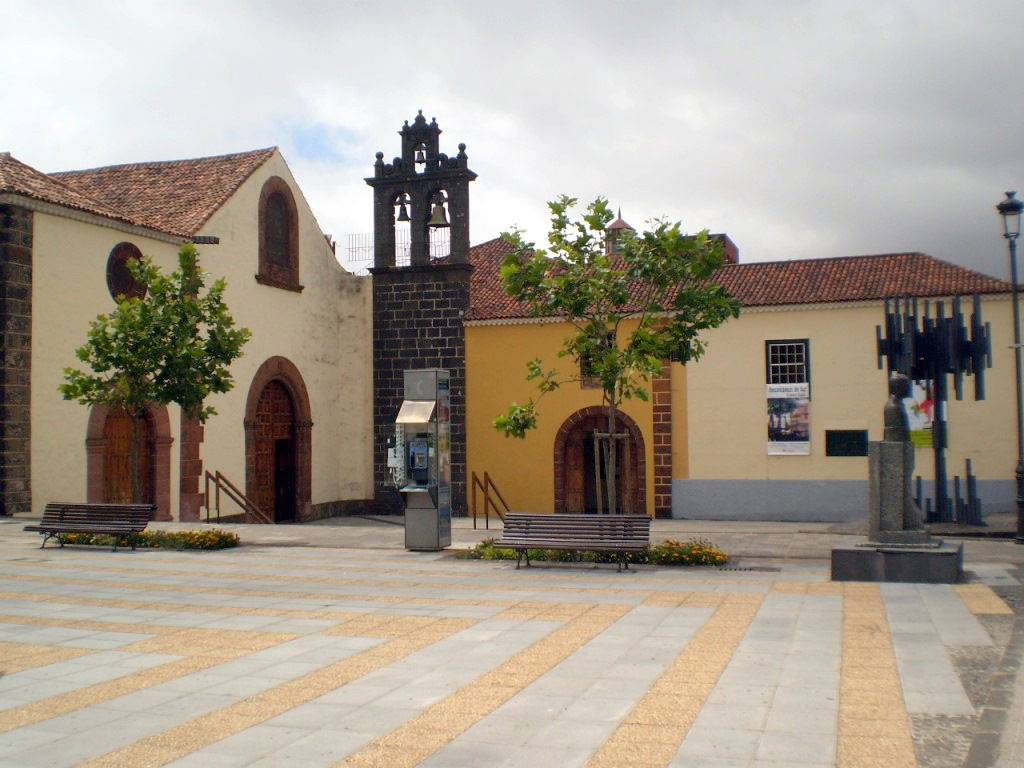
(421, 459)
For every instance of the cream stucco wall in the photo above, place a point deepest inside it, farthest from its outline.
(523, 470)
(726, 398)
(69, 289)
(324, 330)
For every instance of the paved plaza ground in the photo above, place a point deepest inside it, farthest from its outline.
(330, 644)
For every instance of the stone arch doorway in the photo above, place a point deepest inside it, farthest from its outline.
(108, 458)
(576, 479)
(278, 448)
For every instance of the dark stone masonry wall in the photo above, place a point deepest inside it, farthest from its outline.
(15, 358)
(418, 323)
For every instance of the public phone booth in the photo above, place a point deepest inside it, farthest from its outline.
(421, 459)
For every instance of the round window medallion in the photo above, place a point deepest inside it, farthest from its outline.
(120, 282)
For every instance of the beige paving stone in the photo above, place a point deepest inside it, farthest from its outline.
(981, 599)
(199, 732)
(404, 744)
(869, 690)
(634, 732)
(865, 752)
(697, 668)
(881, 728)
(17, 657)
(790, 587)
(28, 714)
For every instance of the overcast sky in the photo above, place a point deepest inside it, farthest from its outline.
(802, 129)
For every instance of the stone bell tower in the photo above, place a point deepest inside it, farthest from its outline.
(418, 307)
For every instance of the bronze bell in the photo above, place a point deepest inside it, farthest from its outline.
(421, 156)
(403, 213)
(438, 218)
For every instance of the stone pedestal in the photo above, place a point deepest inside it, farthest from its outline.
(893, 516)
(938, 563)
(898, 546)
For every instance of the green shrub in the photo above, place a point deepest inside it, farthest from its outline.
(690, 552)
(214, 538)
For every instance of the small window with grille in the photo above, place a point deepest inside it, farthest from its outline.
(787, 361)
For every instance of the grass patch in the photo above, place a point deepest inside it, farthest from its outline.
(211, 539)
(668, 552)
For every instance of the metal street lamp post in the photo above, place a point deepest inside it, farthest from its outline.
(1010, 209)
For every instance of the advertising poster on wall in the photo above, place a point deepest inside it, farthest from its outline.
(789, 428)
(920, 410)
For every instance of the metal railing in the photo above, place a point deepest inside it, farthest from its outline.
(358, 256)
(487, 487)
(252, 513)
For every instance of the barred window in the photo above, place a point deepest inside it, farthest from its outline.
(786, 361)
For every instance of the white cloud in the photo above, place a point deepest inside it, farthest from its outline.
(802, 129)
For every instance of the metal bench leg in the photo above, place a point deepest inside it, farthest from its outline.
(519, 557)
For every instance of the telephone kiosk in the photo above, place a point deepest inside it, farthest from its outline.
(420, 459)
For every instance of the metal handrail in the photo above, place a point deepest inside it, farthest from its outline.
(221, 483)
(487, 486)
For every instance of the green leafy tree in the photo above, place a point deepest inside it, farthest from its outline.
(657, 284)
(173, 345)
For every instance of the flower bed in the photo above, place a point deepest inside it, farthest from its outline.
(668, 552)
(211, 539)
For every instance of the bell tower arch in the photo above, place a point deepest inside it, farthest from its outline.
(418, 307)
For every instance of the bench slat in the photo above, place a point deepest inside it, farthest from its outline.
(118, 520)
(611, 533)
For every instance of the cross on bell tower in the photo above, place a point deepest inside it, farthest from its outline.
(424, 187)
(418, 309)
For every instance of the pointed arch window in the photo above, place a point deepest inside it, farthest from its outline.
(279, 236)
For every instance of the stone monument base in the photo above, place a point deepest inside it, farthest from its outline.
(935, 563)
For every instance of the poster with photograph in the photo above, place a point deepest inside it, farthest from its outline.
(920, 410)
(789, 428)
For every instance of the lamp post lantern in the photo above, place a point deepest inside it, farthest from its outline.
(1010, 209)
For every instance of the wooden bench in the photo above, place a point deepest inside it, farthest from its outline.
(121, 521)
(619, 534)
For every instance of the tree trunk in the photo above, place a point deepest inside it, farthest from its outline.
(610, 455)
(135, 455)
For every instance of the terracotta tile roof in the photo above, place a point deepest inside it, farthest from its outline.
(758, 284)
(176, 196)
(20, 179)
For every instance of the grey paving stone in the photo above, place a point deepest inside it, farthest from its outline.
(546, 757)
(505, 733)
(938, 702)
(811, 718)
(81, 720)
(25, 738)
(727, 743)
(742, 694)
(466, 754)
(732, 716)
(572, 734)
(359, 692)
(258, 741)
(795, 748)
(597, 709)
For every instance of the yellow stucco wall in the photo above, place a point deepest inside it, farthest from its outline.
(726, 406)
(69, 288)
(719, 403)
(496, 357)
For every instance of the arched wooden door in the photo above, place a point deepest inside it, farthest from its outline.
(117, 459)
(578, 477)
(274, 453)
